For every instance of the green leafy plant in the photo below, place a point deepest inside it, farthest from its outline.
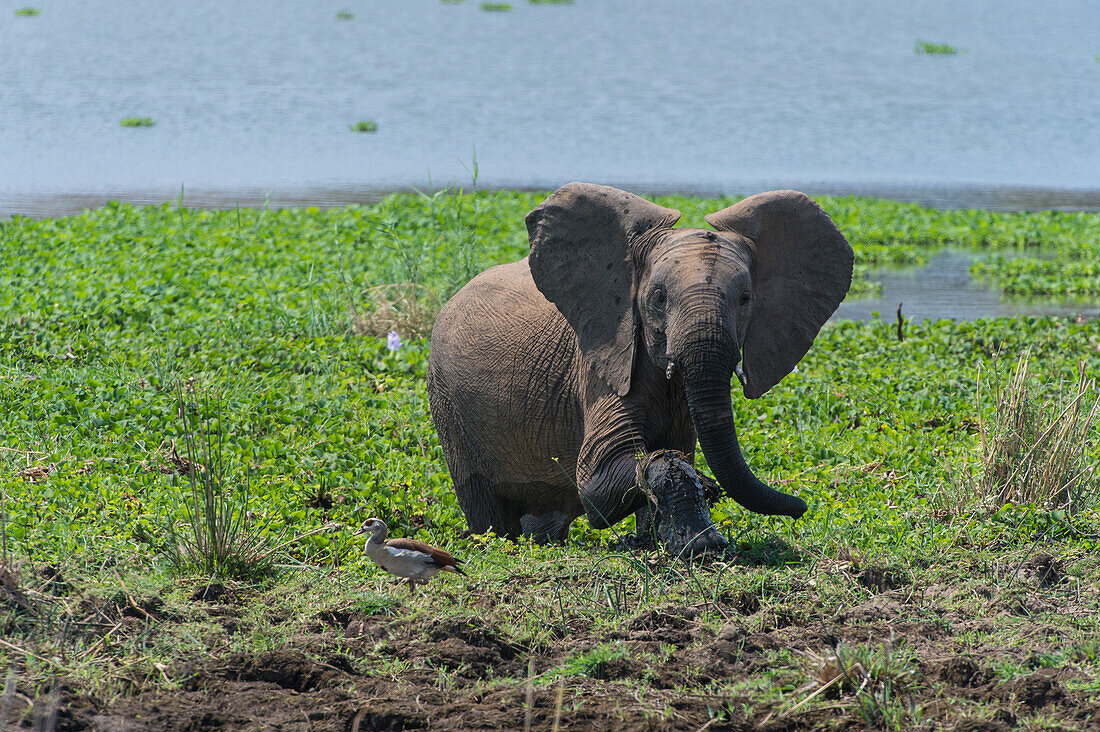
(935, 49)
(368, 125)
(27, 12)
(137, 122)
(593, 663)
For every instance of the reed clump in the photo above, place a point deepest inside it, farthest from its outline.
(1036, 450)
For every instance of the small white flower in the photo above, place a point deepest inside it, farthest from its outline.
(393, 341)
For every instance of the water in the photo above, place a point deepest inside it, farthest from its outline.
(253, 98)
(944, 289)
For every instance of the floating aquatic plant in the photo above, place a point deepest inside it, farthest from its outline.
(27, 12)
(137, 122)
(924, 48)
(368, 125)
(345, 15)
(496, 7)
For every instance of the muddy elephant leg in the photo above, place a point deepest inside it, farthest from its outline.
(679, 513)
(712, 492)
(646, 536)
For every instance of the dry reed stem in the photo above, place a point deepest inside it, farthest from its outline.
(404, 307)
(1028, 455)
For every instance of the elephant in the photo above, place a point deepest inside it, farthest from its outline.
(551, 378)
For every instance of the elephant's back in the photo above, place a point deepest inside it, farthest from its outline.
(502, 371)
(492, 314)
(504, 291)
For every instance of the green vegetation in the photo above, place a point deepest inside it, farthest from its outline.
(27, 12)
(200, 406)
(137, 122)
(550, 2)
(345, 15)
(936, 49)
(368, 125)
(496, 7)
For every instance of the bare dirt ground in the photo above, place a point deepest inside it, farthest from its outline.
(968, 658)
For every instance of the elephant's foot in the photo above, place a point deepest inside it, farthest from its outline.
(547, 528)
(645, 538)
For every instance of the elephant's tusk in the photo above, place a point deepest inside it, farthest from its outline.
(741, 375)
(668, 371)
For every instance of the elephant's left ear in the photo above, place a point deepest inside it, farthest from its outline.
(584, 239)
(802, 269)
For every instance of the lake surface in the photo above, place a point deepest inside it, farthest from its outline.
(252, 100)
(944, 289)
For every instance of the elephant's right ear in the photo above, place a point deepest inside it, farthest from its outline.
(582, 240)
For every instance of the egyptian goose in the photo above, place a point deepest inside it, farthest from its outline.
(416, 561)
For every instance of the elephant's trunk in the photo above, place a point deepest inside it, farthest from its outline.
(707, 377)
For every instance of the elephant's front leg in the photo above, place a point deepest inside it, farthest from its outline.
(673, 509)
(611, 493)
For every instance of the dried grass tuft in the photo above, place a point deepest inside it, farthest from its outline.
(35, 473)
(405, 307)
(1036, 451)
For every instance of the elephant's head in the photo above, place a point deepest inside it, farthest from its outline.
(747, 299)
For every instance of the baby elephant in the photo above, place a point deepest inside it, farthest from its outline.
(616, 338)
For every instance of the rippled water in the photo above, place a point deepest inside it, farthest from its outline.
(253, 99)
(944, 289)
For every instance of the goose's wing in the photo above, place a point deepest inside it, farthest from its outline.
(438, 556)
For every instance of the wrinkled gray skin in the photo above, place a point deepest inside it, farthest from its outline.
(619, 335)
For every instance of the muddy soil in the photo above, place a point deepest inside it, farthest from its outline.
(670, 668)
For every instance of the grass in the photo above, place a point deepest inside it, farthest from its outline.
(27, 12)
(368, 125)
(316, 425)
(216, 536)
(881, 678)
(924, 48)
(1037, 452)
(137, 122)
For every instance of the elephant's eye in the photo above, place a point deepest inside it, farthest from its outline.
(657, 297)
(745, 297)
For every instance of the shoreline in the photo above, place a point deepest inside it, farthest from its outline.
(1001, 198)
